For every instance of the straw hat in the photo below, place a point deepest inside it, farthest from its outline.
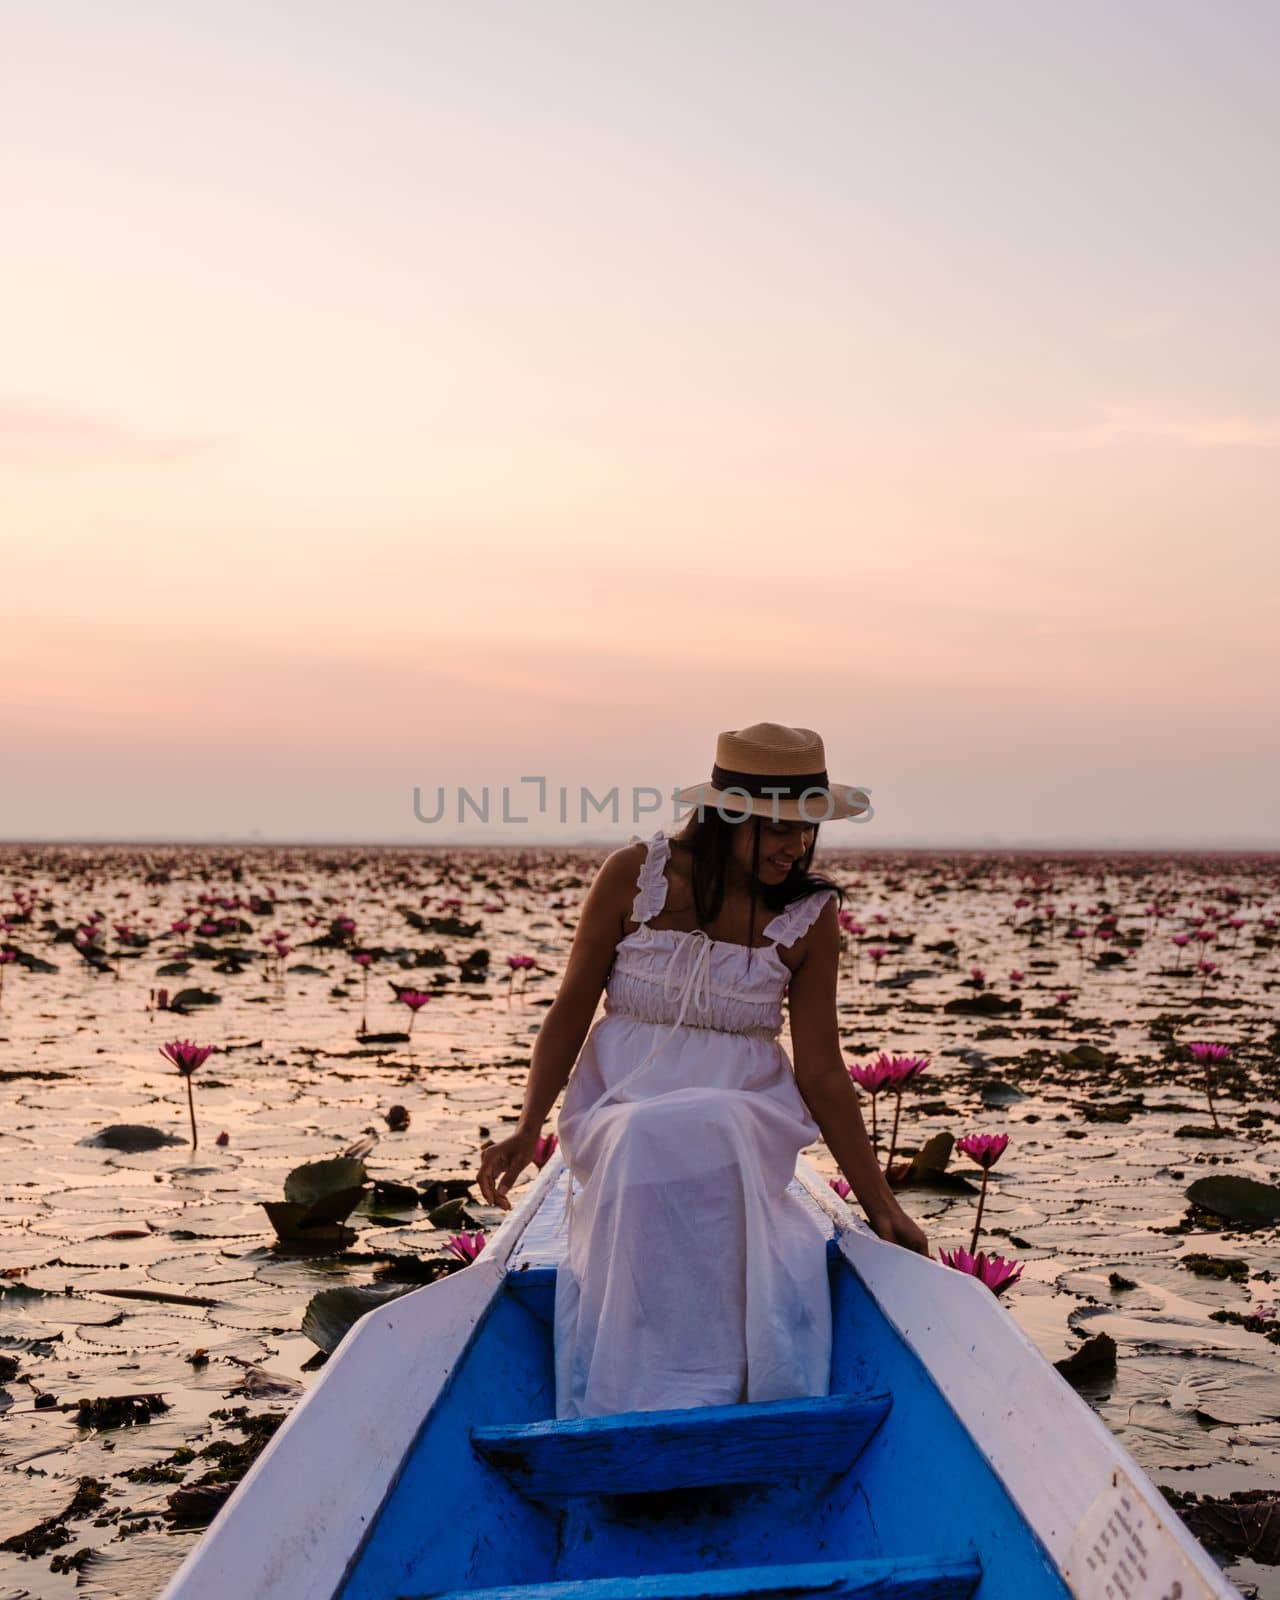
(773, 771)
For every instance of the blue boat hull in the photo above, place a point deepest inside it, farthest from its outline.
(947, 1460)
(918, 1486)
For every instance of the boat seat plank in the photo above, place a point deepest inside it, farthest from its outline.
(889, 1578)
(636, 1452)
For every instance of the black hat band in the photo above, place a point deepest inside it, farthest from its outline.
(765, 786)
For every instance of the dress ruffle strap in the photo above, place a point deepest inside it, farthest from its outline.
(651, 885)
(795, 920)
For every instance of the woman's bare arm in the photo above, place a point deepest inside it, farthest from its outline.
(568, 1019)
(821, 1073)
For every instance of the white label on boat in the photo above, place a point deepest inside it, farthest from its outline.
(1122, 1551)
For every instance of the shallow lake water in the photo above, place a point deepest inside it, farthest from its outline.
(120, 1264)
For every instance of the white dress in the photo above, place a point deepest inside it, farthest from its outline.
(691, 1276)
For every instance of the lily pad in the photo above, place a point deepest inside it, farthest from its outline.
(927, 1167)
(389, 1196)
(293, 1230)
(1095, 1358)
(319, 1197)
(316, 1181)
(188, 999)
(132, 1137)
(986, 1004)
(996, 1092)
(1085, 1055)
(1243, 1200)
(331, 1314)
(452, 1214)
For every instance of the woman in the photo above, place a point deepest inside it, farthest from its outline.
(691, 1275)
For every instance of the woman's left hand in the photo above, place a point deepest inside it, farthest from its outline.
(897, 1227)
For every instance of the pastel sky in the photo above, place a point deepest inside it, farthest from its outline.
(412, 393)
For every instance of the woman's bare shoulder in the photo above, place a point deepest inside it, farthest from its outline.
(627, 858)
(617, 875)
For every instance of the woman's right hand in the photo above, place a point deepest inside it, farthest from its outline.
(501, 1164)
(891, 1222)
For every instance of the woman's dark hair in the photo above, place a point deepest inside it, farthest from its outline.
(708, 837)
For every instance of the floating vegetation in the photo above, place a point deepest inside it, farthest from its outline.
(52, 1532)
(1095, 1359)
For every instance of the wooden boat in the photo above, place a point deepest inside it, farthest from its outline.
(949, 1459)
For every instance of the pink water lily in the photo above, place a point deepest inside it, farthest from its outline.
(903, 1070)
(1203, 1051)
(872, 1076)
(467, 1246)
(1209, 1055)
(842, 1188)
(544, 1149)
(415, 999)
(187, 1057)
(518, 964)
(984, 1148)
(995, 1271)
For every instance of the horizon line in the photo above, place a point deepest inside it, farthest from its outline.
(1074, 845)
